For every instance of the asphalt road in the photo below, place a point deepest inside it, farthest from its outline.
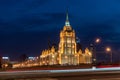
(74, 74)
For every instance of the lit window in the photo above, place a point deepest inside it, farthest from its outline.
(69, 45)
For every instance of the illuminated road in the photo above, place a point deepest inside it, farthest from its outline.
(76, 74)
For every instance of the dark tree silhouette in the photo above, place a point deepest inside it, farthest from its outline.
(23, 57)
(0, 61)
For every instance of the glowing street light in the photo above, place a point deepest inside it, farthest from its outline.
(108, 49)
(93, 49)
(97, 40)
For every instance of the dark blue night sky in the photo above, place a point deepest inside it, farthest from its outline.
(26, 26)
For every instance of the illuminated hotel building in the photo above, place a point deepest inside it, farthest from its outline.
(67, 52)
(67, 46)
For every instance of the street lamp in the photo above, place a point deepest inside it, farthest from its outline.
(97, 40)
(108, 49)
(93, 50)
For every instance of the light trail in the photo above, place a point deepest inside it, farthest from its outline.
(107, 79)
(64, 71)
(86, 70)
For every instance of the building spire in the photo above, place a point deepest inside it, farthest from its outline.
(67, 19)
(67, 23)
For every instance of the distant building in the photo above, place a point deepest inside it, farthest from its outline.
(69, 52)
(31, 61)
(32, 58)
(5, 61)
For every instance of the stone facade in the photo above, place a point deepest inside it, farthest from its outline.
(67, 53)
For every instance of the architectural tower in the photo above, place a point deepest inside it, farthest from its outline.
(67, 45)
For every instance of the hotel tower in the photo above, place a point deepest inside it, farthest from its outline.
(67, 52)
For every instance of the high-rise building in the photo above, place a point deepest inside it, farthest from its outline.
(68, 52)
(67, 45)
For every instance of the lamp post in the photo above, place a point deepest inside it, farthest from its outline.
(108, 49)
(93, 50)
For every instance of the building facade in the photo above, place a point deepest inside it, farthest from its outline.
(67, 53)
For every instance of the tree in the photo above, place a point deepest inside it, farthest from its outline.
(23, 57)
(0, 61)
